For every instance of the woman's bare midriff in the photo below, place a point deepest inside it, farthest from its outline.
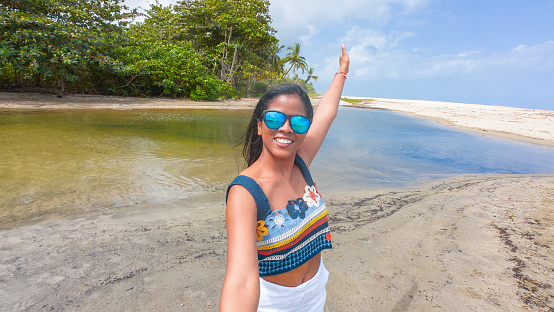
(297, 276)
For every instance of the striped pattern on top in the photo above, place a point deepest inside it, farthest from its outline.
(289, 237)
(293, 238)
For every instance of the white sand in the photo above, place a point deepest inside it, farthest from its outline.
(517, 123)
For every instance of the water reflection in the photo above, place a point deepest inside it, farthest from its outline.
(64, 162)
(378, 148)
(59, 162)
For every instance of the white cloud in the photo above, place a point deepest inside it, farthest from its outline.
(468, 53)
(293, 18)
(521, 58)
(376, 49)
(312, 31)
(374, 54)
(448, 64)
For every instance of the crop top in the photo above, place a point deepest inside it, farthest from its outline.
(289, 237)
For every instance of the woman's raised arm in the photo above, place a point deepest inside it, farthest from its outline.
(241, 287)
(326, 111)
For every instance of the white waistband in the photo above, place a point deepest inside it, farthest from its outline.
(308, 296)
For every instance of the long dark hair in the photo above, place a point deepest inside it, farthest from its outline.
(253, 144)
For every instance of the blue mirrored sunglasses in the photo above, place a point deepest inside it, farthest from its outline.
(275, 120)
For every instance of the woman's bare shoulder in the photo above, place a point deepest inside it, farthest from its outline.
(261, 176)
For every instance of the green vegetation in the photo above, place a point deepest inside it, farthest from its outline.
(198, 49)
(355, 101)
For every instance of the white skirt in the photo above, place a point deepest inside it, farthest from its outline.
(306, 297)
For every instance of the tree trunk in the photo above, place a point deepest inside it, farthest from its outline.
(62, 87)
(37, 80)
(289, 69)
(230, 75)
(17, 78)
(224, 68)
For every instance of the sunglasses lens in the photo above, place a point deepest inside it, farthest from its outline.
(274, 120)
(300, 124)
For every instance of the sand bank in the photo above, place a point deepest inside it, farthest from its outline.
(536, 126)
(472, 243)
(30, 100)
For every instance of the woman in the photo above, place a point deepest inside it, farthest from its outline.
(276, 219)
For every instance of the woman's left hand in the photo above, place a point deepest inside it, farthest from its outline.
(344, 61)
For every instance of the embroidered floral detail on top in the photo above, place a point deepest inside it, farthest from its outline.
(277, 219)
(261, 230)
(311, 196)
(297, 208)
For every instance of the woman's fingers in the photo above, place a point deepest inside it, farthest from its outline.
(344, 60)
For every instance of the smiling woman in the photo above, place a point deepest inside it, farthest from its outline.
(283, 95)
(277, 224)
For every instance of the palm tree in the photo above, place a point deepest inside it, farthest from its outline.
(310, 75)
(294, 58)
(276, 65)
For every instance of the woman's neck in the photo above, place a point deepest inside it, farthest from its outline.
(273, 166)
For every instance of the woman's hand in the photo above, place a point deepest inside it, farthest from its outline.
(344, 61)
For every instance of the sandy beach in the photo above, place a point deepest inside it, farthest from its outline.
(531, 125)
(466, 243)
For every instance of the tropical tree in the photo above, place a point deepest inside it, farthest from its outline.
(235, 37)
(295, 60)
(154, 61)
(310, 72)
(160, 25)
(276, 64)
(196, 48)
(59, 38)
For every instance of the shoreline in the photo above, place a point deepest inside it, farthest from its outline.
(29, 100)
(528, 125)
(472, 242)
(467, 242)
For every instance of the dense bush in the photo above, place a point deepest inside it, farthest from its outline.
(169, 70)
(198, 49)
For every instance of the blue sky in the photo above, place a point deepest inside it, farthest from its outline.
(482, 52)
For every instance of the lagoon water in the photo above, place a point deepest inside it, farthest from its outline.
(59, 162)
(377, 148)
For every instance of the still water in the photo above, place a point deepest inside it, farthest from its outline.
(376, 148)
(65, 162)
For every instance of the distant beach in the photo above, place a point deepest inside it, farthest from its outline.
(471, 242)
(531, 125)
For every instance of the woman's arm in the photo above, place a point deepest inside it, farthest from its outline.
(241, 287)
(325, 112)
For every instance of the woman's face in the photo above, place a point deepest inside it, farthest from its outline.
(283, 142)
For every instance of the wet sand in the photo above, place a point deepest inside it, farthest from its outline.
(471, 243)
(467, 243)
